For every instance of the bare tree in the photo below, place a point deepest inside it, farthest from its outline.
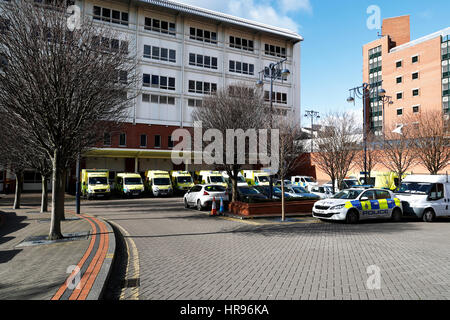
(235, 110)
(337, 142)
(62, 87)
(399, 154)
(290, 150)
(430, 139)
(372, 158)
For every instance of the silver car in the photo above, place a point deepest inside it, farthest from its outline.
(202, 196)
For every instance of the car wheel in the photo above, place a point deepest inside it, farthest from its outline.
(186, 205)
(429, 216)
(199, 205)
(352, 217)
(397, 215)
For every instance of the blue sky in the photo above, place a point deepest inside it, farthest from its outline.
(334, 33)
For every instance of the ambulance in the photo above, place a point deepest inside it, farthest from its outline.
(181, 181)
(426, 197)
(210, 177)
(256, 177)
(241, 180)
(129, 184)
(355, 204)
(94, 183)
(158, 183)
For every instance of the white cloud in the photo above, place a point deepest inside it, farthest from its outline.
(274, 13)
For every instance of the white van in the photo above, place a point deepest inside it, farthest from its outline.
(303, 181)
(425, 196)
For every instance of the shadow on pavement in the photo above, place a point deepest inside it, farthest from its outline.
(11, 223)
(8, 255)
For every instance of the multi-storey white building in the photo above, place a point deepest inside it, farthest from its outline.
(185, 53)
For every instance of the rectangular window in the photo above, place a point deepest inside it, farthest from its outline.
(155, 81)
(157, 141)
(160, 26)
(399, 95)
(145, 97)
(164, 54)
(191, 86)
(232, 68)
(416, 109)
(214, 62)
(192, 59)
(199, 87)
(171, 83)
(399, 112)
(143, 140)
(163, 100)
(163, 82)
(399, 80)
(415, 76)
(107, 139)
(155, 53)
(155, 98)
(122, 140)
(146, 80)
(147, 51)
(199, 60)
(398, 64)
(170, 142)
(172, 55)
(171, 101)
(415, 92)
(415, 59)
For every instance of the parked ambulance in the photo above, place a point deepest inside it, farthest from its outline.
(425, 196)
(181, 181)
(129, 184)
(94, 183)
(158, 183)
(210, 177)
(304, 181)
(241, 180)
(256, 177)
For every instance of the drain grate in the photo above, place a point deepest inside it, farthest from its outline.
(42, 240)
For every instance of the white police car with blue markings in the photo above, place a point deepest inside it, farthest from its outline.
(357, 204)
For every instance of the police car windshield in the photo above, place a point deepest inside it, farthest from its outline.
(133, 181)
(309, 180)
(348, 194)
(184, 179)
(415, 188)
(263, 179)
(299, 190)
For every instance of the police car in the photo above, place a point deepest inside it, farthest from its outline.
(357, 204)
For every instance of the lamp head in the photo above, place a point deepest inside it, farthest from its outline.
(350, 99)
(259, 83)
(381, 92)
(285, 72)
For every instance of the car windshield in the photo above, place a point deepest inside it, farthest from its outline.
(263, 178)
(161, 181)
(351, 183)
(348, 194)
(248, 191)
(415, 188)
(186, 179)
(215, 188)
(133, 181)
(241, 179)
(216, 179)
(98, 180)
(299, 190)
(309, 180)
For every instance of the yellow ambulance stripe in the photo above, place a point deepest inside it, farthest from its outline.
(383, 204)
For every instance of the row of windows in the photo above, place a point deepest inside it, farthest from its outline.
(110, 15)
(241, 43)
(277, 97)
(113, 45)
(203, 35)
(414, 76)
(195, 103)
(414, 59)
(158, 99)
(200, 60)
(202, 87)
(158, 53)
(161, 82)
(275, 51)
(414, 92)
(242, 67)
(142, 140)
(415, 109)
(160, 26)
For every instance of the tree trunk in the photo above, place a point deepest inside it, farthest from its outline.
(44, 195)
(57, 207)
(234, 190)
(62, 194)
(17, 196)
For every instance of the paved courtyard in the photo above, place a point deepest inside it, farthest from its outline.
(185, 254)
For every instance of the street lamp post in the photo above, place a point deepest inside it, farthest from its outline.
(313, 115)
(274, 71)
(364, 92)
(77, 192)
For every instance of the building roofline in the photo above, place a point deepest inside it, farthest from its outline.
(443, 33)
(225, 18)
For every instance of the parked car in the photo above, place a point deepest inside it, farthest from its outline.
(250, 193)
(286, 183)
(265, 190)
(357, 204)
(322, 192)
(201, 196)
(300, 192)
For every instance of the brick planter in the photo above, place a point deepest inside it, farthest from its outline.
(271, 208)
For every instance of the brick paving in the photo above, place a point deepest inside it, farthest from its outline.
(185, 254)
